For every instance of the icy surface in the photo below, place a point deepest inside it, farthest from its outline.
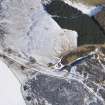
(10, 93)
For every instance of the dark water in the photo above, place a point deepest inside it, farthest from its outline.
(70, 18)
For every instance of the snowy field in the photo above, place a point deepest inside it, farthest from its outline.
(34, 32)
(25, 36)
(10, 93)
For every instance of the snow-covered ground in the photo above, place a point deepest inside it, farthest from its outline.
(10, 93)
(89, 10)
(32, 31)
(29, 30)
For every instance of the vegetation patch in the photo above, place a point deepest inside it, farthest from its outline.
(91, 2)
(70, 56)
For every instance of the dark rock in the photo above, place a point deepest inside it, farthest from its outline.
(69, 17)
(56, 91)
(58, 8)
(25, 87)
(28, 98)
(91, 84)
(50, 64)
(102, 93)
(22, 67)
(44, 89)
(93, 103)
(100, 18)
(32, 60)
(93, 69)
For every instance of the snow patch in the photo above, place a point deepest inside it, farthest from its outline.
(10, 93)
(31, 31)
